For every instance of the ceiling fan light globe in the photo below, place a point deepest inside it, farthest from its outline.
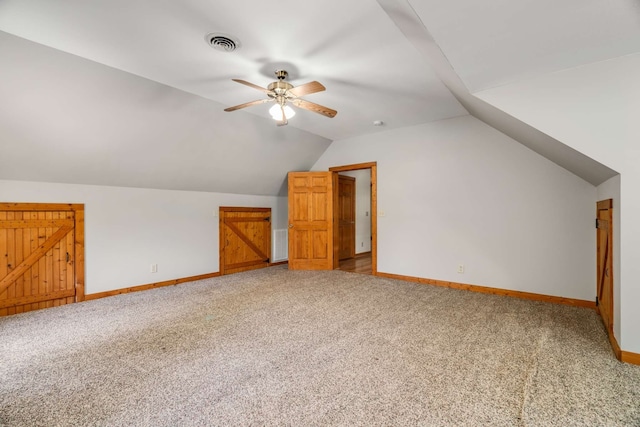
(276, 112)
(289, 112)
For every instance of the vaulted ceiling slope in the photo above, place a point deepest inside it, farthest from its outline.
(567, 69)
(495, 42)
(514, 27)
(69, 120)
(130, 94)
(370, 70)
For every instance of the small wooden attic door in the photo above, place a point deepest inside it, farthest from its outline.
(41, 256)
(245, 239)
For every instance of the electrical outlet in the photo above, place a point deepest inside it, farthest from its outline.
(460, 268)
(362, 244)
(154, 268)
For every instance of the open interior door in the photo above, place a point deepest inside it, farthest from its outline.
(311, 220)
(605, 262)
(346, 217)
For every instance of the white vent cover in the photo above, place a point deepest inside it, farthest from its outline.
(222, 42)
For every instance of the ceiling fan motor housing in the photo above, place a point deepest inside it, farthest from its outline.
(280, 87)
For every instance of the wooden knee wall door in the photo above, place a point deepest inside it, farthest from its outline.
(245, 239)
(41, 256)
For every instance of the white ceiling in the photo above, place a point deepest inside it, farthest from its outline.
(493, 42)
(128, 93)
(66, 119)
(402, 12)
(369, 69)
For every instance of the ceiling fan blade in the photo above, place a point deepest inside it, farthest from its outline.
(246, 83)
(306, 89)
(247, 104)
(316, 108)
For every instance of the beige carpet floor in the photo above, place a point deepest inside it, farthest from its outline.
(276, 347)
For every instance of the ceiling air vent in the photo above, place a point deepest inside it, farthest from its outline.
(222, 42)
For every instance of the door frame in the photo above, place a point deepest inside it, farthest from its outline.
(374, 209)
(78, 216)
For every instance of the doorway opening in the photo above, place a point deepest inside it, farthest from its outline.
(355, 219)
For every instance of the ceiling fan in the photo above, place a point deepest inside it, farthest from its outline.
(282, 92)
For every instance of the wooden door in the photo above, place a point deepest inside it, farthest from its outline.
(311, 220)
(245, 239)
(605, 262)
(374, 207)
(39, 247)
(346, 216)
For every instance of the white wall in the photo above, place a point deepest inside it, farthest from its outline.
(459, 192)
(611, 190)
(594, 109)
(363, 208)
(127, 229)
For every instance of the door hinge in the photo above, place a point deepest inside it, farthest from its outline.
(267, 218)
(597, 223)
(597, 301)
(267, 260)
